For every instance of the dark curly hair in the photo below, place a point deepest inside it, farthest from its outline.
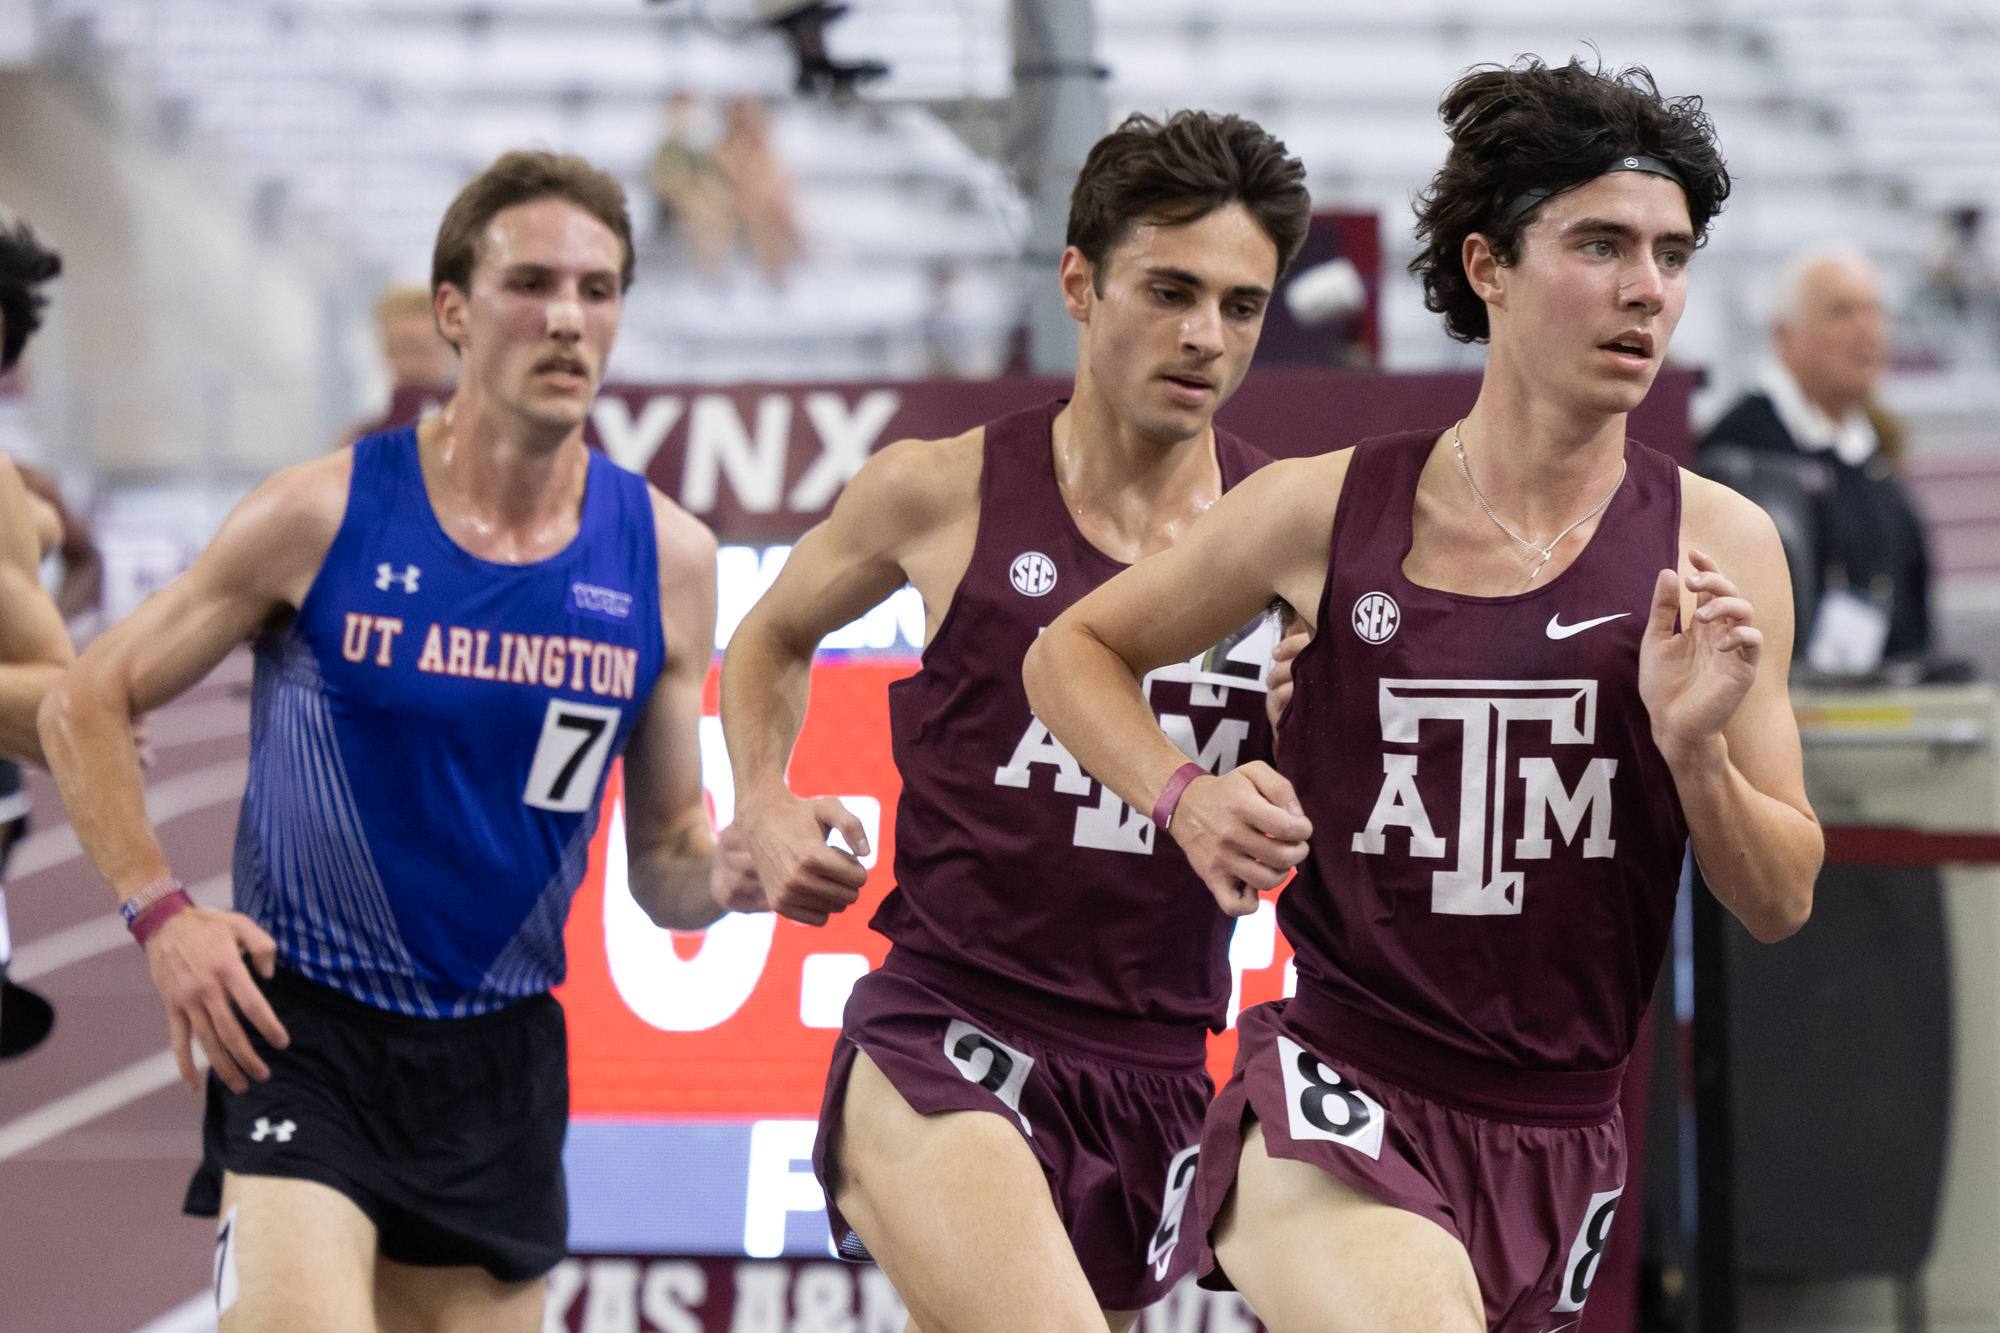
(1538, 127)
(1180, 171)
(24, 266)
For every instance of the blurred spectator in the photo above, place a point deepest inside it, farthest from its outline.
(1812, 446)
(717, 186)
(693, 194)
(1962, 278)
(948, 350)
(763, 186)
(1956, 314)
(417, 355)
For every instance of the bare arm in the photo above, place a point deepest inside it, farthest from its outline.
(1265, 540)
(259, 566)
(675, 875)
(908, 516)
(34, 646)
(48, 525)
(1722, 716)
(83, 564)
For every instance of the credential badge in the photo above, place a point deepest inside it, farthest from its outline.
(603, 603)
(1032, 574)
(1376, 617)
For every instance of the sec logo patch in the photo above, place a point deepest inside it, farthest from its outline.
(1376, 617)
(1032, 574)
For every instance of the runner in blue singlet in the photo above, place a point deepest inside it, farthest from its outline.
(458, 627)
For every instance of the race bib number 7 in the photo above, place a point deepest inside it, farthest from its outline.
(569, 757)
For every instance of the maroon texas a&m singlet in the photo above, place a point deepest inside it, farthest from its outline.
(1012, 863)
(1496, 841)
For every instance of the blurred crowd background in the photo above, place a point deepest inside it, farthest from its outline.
(243, 189)
(244, 195)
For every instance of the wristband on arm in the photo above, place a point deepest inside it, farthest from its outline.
(153, 906)
(1170, 795)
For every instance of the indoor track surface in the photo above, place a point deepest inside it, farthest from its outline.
(97, 1133)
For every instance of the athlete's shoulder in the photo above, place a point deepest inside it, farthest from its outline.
(687, 589)
(1424, 437)
(686, 543)
(1308, 485)
(1719, 521)
(917, 484)
(1238, 457)
(272, 544)
(1280, 520)
(20, 543)
(302, 504)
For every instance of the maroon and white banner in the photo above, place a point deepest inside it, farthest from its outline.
(764, 462)
(649, 1294)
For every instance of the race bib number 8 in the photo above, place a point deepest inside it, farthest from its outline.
(569, 758)
(1326, 1105)
(1588, 1248)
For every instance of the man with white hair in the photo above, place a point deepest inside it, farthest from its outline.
(1859, 567)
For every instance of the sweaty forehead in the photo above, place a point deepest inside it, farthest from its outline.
(552, 233)
(1225, 247)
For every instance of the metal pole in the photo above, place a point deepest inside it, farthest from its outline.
(1715, 1187)
(1060, 113)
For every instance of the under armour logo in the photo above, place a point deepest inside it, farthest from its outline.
(265, 1129)
(385, 574)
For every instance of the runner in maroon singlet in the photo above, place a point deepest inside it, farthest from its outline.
(1017, 1095)
(1529, 684)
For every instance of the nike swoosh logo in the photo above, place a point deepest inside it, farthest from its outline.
(1558, 630)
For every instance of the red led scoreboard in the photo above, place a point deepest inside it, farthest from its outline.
(697, 1061)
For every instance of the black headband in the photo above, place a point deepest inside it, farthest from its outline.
(1652, 166)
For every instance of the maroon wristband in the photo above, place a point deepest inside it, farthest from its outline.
(147, 924)
(1170, 795)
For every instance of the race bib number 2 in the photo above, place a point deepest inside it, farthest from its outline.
(991, 1063)
(1173, 1205)
(569, 757)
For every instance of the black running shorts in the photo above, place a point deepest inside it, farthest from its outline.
(447, 1133)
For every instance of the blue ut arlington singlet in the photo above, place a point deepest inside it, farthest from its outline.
(429, 738)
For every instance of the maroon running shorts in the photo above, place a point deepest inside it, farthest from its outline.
(1111, 1107)
(1532, 1204)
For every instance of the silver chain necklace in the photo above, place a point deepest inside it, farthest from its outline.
(1547, 553)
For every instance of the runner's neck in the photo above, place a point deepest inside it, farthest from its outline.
(504, 495)
(1130, 494)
